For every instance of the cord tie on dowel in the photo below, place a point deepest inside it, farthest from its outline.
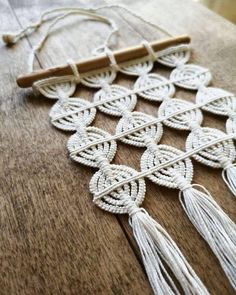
(113, 62)
(151, 52)
(75, 71)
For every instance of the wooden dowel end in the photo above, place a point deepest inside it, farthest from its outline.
(99, 62)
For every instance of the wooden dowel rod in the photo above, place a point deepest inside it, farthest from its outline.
(99, 62)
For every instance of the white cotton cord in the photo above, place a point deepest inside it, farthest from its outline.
(213, 224)
(40, 45)
(156, 247)
(229, 177)
(105, 46)
(113, 63)
(11, 38)
(63, 12)
(74, 70)
(131, 12)
(150, 50)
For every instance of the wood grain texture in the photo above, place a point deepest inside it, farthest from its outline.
(53, 240)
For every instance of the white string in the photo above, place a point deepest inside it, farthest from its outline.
(149, 49)
(214, 226)
(151, 238)
(229, 177)
(10, 38)
(139, 127)
(184, 155)
(155, 243)
(74, 70)
(131, 12)
(135, 91)
(113, 63)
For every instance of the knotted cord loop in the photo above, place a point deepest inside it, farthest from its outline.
(112, 59)
(149, 49)
(75, 71)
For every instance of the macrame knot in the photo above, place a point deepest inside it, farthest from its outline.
(63, 97)
(131, 207)
(125, 113)
(150, 144)
(224, 161)
(62, 101)
(103, 164)
(181, 182)
(193, 125)
(105, 86)
(202, 88)
(231, 113)
(81, 130)
(179, 63)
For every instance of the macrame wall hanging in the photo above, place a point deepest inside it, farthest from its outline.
(120, 189)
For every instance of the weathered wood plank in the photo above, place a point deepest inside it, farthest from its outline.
(53, 240)
(206, 30)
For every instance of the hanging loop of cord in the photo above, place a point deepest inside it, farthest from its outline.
(58, 14)
(10, 38)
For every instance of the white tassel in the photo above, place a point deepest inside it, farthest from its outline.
(229, 177)
(214, 225)
(156, 247)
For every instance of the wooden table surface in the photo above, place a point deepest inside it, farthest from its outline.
(53, 239)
